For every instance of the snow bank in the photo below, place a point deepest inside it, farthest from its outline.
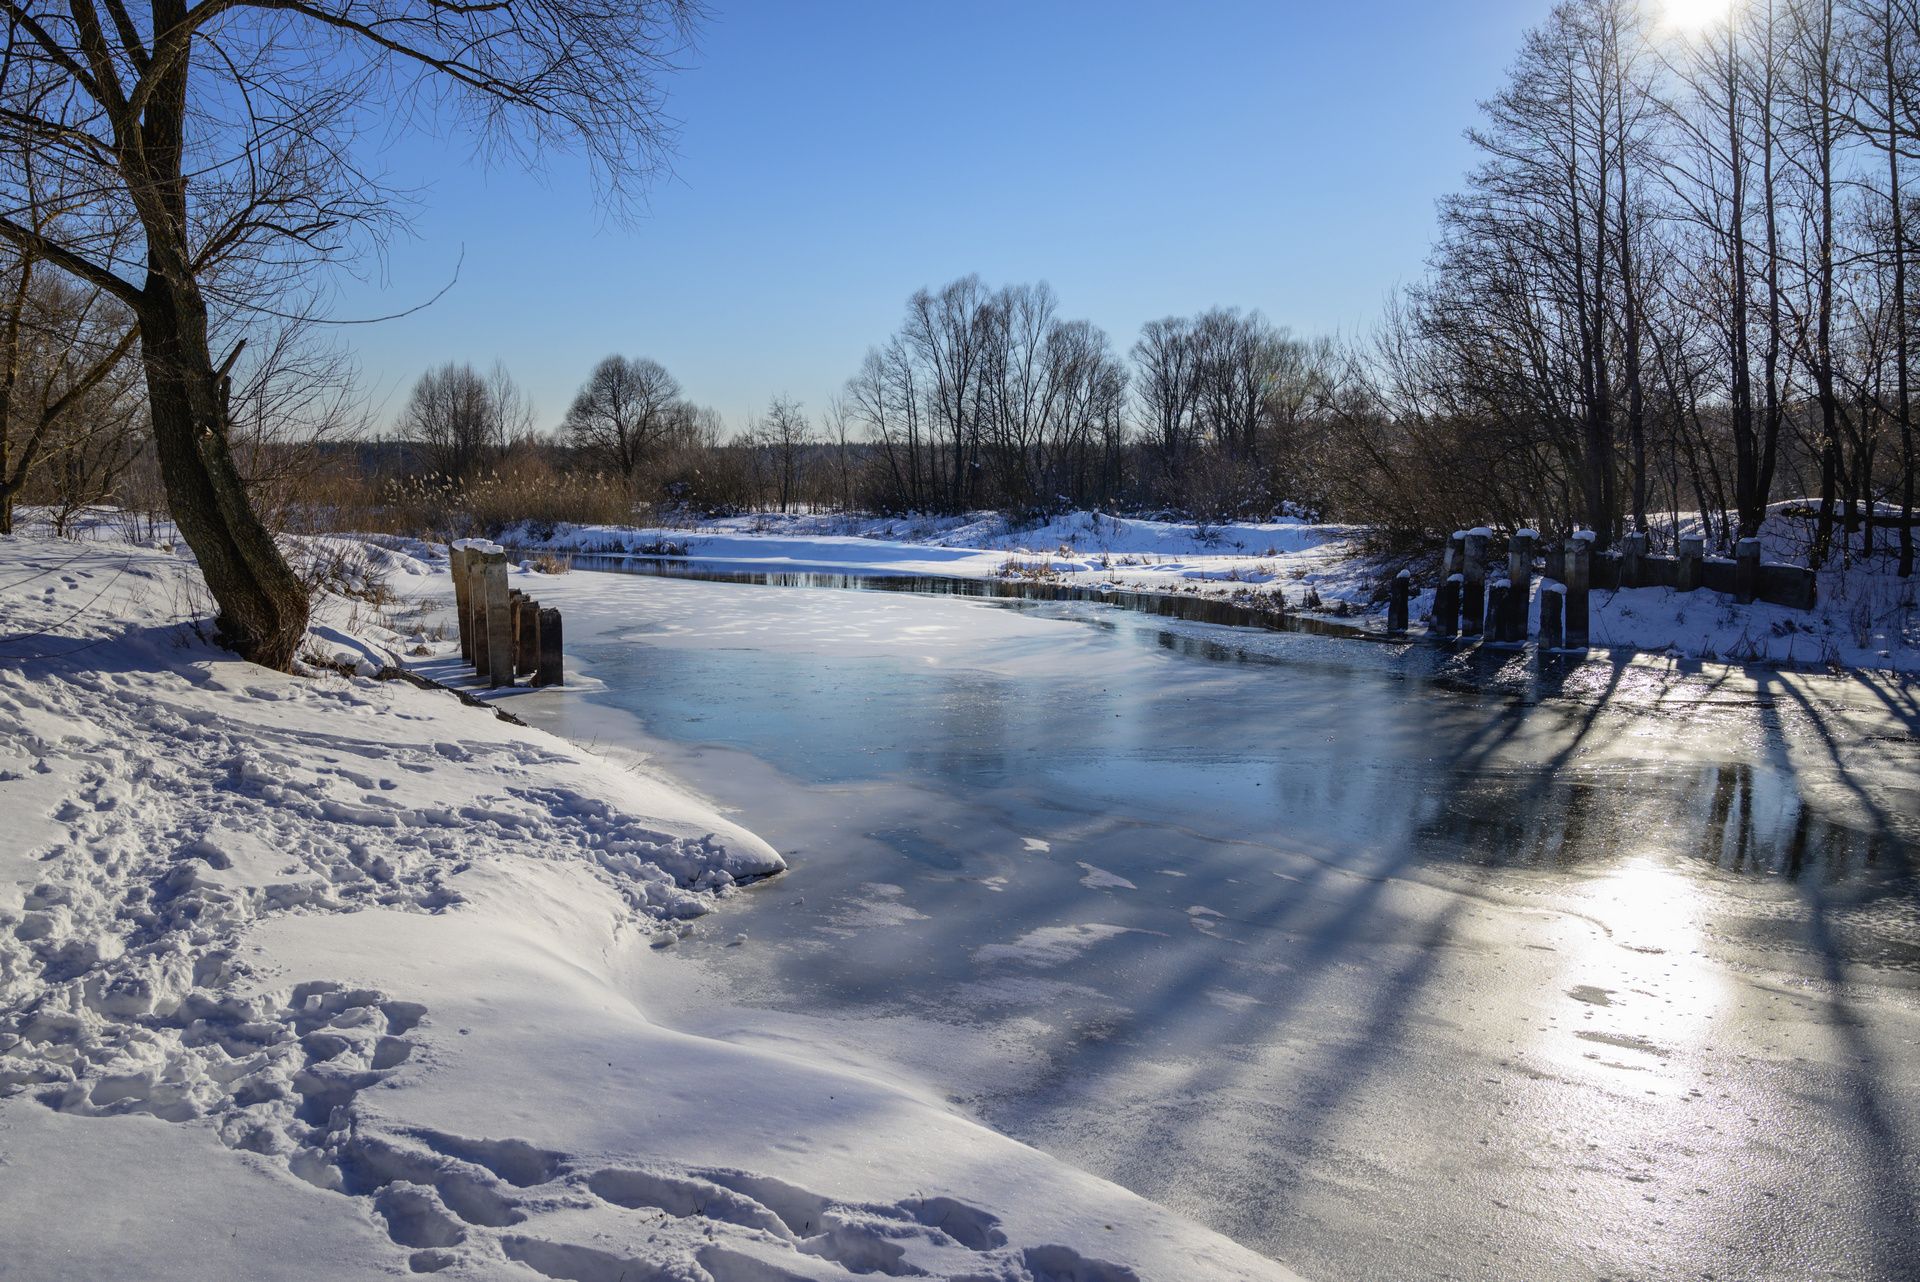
(326, 977)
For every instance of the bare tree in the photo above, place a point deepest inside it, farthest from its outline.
(461, 420)
(785, 432)
(1163, 359)
(260, 103)
(624, 413)
(948, 332)
(63, 351)
(1886, 94)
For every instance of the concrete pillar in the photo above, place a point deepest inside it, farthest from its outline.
(1520, 579)
(1746, 570)
(1497, 609)
(1552, 635)
(1473, 582)
(1579, 585)
(526, 637)
(1397, 603)
(1693, 558)
(1632, 548)
(516, 602)
(1446, 608)
(457, 561)
(499, 628)
(1446, 604)
(477, 607)
(552, 670)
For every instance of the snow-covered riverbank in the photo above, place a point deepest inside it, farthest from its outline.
(1866, 618)
(330, 977)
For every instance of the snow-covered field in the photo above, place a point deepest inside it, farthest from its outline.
(1866, 618)
(323, 976)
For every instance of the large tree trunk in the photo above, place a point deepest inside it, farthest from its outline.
(263, 604)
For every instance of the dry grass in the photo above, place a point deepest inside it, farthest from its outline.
(1041, 571)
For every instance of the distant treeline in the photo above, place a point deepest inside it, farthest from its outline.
(1676, 282)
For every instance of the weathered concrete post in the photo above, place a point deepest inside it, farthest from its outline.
(1446, 607)
(499, 670)
(457, 562)
(552, 672)
(1693, 562)
(1579, 584)
(1551, 635)
(1446, 597)
(1520, 579)
(1632, 548)
(477, 607)
(516, 602)
(1397, 603)
(1497, 609)
(1746, 570)
(1473, 584)
(526, 637)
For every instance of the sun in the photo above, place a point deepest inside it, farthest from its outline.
(1693, 15)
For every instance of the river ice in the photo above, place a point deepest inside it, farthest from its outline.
(1385, 962)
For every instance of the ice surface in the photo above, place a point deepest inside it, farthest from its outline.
(1346, 1012)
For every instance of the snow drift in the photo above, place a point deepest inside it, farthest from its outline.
(328, 977)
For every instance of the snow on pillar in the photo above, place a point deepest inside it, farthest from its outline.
(1397, 603)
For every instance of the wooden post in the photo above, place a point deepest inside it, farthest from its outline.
(1397, 603)
(1552, 597)
(1473, 587)
(499, 670)
(457, 562)
(552, 670)
(526, 637)
(1578, 589)
(477, 607)
(1520, 577)
(1746, 570)
(1693, 558)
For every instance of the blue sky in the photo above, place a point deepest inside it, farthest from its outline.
(1146, 159)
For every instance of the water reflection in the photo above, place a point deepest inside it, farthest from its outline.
(1309, 742)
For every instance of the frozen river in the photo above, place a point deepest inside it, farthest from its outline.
(1387, 963)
